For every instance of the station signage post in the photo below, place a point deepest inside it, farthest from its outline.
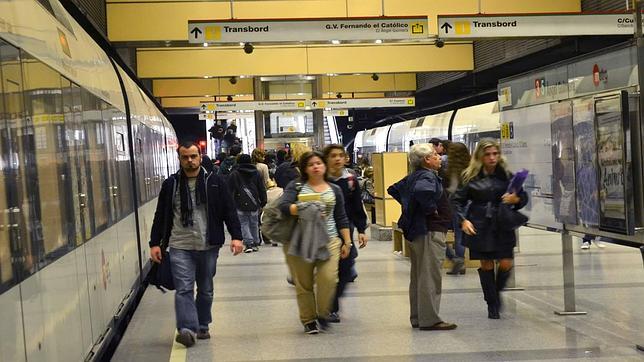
(303, 30)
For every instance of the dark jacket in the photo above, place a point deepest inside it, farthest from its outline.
(290, 197)
(441, 220)
(220, 208)
(352, 200)
(418, 194)
(246, 174)
(483, 194)
(285, 173)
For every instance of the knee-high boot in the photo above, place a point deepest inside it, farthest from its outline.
(501, 281)
(489, 293)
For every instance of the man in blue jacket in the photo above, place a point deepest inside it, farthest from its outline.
(190, 215)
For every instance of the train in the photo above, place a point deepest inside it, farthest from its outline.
(84, 150)
(467, 125)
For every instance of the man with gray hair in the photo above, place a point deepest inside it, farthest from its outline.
(424, 221)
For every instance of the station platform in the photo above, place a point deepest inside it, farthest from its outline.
(255, 312)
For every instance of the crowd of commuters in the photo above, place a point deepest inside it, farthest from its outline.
(330, 195)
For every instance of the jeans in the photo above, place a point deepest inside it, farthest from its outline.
(250, 227)
(188, 267)
(346, 272)
(458, 242)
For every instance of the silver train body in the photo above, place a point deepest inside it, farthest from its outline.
(83, 153)
(467, 125)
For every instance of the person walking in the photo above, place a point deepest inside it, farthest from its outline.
(477, 201)
(424, 221)
(191, 211)
(458, 159)
(320, 270)
(334, 157)
(249, 193)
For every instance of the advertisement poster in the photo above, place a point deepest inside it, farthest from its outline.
(586, 172)
(563, 163)
(610, 160)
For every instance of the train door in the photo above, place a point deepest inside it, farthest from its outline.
(76, 142)
(12, 254)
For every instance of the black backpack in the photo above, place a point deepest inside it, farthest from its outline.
(245, 196)
(226, 166)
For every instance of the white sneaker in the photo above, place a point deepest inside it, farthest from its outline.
(599, 244)
(585, 245)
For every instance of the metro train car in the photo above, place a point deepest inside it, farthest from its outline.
(84, 151)
(467, 125)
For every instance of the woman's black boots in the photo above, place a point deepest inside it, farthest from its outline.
(490, 293)
(501, 281)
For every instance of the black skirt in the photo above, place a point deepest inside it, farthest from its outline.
(492, 255)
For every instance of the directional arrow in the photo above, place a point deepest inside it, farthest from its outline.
(203, 107)
(314, 104)
(446, 26)
(196, 31)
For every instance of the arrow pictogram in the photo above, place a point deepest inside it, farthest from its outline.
(314, 104)
(446, 26)
(197, 32)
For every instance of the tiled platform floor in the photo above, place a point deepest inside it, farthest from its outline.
(255, 313)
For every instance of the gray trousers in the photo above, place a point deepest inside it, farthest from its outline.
(427, 254)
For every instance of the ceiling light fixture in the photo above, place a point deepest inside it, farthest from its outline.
(378, 41)
(205, 44)
(336, 42)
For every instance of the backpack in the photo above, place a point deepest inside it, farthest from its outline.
(367, 197)
(275, 225)
(226, 166)
(245, 199)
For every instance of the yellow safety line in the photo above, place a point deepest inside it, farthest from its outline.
(179, 351)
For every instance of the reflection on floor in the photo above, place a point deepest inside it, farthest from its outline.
(255, 313)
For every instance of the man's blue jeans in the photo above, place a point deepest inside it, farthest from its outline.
(188, 267)
(249, 221)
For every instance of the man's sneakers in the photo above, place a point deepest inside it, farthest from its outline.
(186, 337)
(203, 334)
(248, 249)
(585, 245)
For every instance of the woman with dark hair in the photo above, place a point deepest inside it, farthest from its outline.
(485, 182)
(321, 270)
(458, 158)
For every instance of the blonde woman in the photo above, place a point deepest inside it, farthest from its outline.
(485, 182)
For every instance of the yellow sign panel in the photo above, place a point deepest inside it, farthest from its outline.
(301, 104)
(463, 27)
(417, 29)
(505, 131)
(410, 102)
(211, 107)
(213, 32)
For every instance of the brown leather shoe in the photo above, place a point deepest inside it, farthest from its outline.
(440, 326)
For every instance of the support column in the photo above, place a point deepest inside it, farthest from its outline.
(318, 116)
(568, 276)
(641, 346)
(258, 93)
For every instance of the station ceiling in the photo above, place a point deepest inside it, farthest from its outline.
(182, 74)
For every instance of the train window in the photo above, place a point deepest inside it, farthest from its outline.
(44, 105)
(120, 142)
(98, 193)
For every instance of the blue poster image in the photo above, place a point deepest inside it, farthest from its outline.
(586, 163)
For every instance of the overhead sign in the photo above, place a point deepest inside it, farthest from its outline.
(530, 26)
(336, 112)
(342, 103)
(281, 105)
(225, 115)
(299, 30)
